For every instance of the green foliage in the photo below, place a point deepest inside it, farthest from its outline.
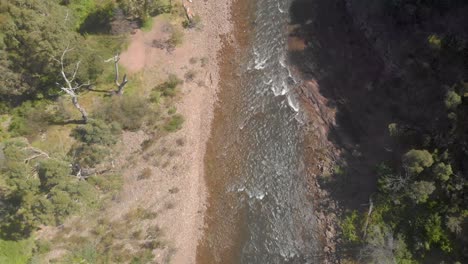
(452, 100)
(81, 10)
(97, 132)
(144, 9)
(53, 172)
(195, 22)
(89, 155)
(167, 88)
(29, 119)
(129, 111)
(16, 252)
(393, 129)
(175, 123)
(443, 171)
(435, 234)
(30, 200)
(108, 183)
(419, 191)
(417, 160)
(176, 38)
(435, 41)
(147, 25)
(98, 19)
(33, 35)
(349, 227)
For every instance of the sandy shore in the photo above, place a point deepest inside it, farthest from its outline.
(177, 190)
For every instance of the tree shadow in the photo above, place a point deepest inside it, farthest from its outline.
(346, 70)
(107, 92)
(68, 122)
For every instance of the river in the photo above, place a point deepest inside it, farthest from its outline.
(259, 208)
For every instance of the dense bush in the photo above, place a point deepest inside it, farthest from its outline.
(27, 200)
(144, 9)
(167, 88)
(128, 111)
(29, 119)
(32, 35)
(97, 132)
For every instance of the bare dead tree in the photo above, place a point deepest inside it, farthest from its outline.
(36, 153)
(120, 85)
(369, 212)
(71, 87)
(396, 182)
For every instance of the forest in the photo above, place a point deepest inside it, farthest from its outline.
(63, 107)
(418, 212)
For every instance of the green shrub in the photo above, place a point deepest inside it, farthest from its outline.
(129, 111)
(176, 38)
(16, 252)
(416, 160)
(98, 20)
(195, 22)
(107, 183)
(175, 123)
(53, 172)
(452, 100)
(443, 171)
(419, 191)
(349, 227)
(29, 119)
(169, 87)
(172, 110)
(89, 155)
(97, 132)
(42, 246)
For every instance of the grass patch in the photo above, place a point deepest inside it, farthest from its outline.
(167, 88)
(130, 111)
(177, 36)
(16, 252)
(147, 24)
(174, 123)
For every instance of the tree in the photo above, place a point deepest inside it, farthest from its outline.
(53, 172)
(443, 171)
(416, 160)
(452, 100)
(31, 32)
(144, 9)
(382, 247)
(391, 182)
(120, 85)
(97, 132)
(70, 87)
(420, 190)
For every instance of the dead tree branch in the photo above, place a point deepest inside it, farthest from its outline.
(70, 86)
(369, 212)
(120, 85)
(36, 154)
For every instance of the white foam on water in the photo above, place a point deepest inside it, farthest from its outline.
(293, 103)
(276, 91)
(280, 9)
(261, 65)
(285, 88)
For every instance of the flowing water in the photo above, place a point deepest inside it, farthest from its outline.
(260, 210)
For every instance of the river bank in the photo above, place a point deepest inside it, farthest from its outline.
(261, 205)
(178, 191)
